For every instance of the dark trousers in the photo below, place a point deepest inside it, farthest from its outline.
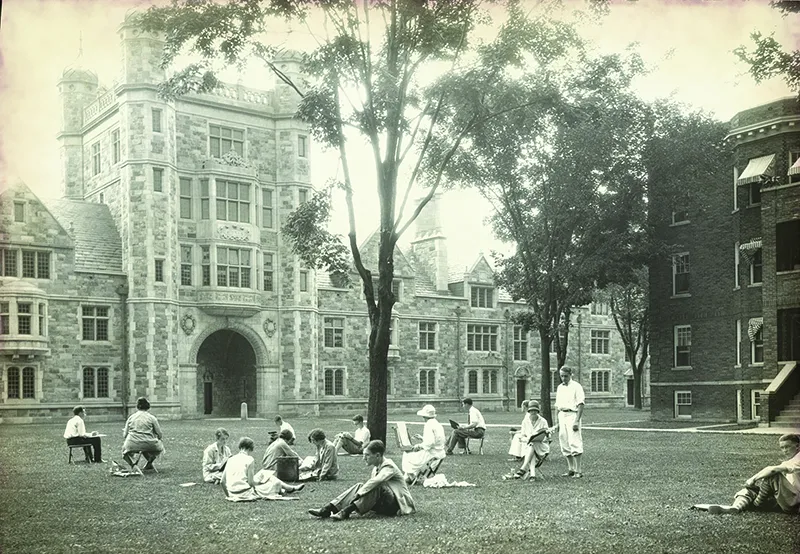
(94, 441)
(380, 500)
(460, 435)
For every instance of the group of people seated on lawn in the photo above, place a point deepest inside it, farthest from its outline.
(774, 488)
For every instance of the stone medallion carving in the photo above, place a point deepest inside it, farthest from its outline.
(188, 324)
(234, 233)
(269, 327)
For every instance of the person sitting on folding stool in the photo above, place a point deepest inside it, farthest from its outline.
(75, 433)
(431, 448)
(537, 444)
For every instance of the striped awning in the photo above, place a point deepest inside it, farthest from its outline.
(749, 248)
(756, 168)
(795, 169)
(754, 326)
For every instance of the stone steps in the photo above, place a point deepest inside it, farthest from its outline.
(790, 415)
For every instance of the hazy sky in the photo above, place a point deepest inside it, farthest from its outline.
(690, 41)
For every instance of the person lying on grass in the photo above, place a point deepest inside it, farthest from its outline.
(242, 484)
(385, 493)
(774, 488)
(215, 456)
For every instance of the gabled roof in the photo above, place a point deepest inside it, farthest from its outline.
(98, 247)
(369, 255)
(39, 224)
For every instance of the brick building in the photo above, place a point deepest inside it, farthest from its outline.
(726, 328)
(162, 272)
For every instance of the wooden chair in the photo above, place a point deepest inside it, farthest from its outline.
(81, 446)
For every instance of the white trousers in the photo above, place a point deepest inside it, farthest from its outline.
(571, 441)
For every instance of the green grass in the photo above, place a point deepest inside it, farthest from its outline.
(634, 498)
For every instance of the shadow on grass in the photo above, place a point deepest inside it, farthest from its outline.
(634, 498)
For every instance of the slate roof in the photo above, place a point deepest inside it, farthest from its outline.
(98, 247)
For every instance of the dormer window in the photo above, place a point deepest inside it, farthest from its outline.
(481, 297)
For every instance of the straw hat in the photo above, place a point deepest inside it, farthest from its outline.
(427, 411)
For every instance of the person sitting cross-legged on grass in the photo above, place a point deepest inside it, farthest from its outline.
(354, 443)
(537, 447)
(431, 447)
(142, 433)
(325, 465)
(385, 493)
(215, 457)
(240, 481)
(281, 448)
(475, 429)
(774, 488)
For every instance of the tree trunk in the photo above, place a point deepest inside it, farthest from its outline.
(544, 397)
(637, 383)
(638, 372)
(380, 317)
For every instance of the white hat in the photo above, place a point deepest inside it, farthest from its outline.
(427, 411)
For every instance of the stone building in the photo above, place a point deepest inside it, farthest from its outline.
(162, 272)
(726, 339)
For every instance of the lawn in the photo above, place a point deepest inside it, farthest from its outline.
(634, 498)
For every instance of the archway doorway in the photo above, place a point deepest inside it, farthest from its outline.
(226, 370)
(522, 391)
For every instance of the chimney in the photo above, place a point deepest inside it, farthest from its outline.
(430, 245)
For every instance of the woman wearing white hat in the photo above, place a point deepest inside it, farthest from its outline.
(431, 447)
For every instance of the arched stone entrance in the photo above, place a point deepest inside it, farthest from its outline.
(226, 374)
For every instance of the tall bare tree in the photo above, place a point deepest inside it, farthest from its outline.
(364, 75)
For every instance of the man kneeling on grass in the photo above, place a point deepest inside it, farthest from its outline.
(385, 493)
(774, 488)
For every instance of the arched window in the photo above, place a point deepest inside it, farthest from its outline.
(28, 382)
(427, 381)
(489, 381)
(334, 382)
(21, 382)
(95, 382)
(472, 381)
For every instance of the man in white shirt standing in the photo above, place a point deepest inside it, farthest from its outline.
(475, 429)
(569, 403)
(75, 433)
(354, 443)
(283, 426)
